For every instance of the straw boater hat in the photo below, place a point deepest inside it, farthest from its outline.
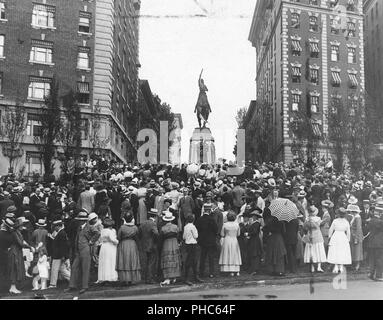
(11, 209)
(313, 210)
(9, 223)
(272, 183)
(41, 223)
(168, 216)
(153, 212)
(57, 222)
(92, 216)
(83, 216)
(366, 202)
(302, 194)
(353, 208)
(327, 204)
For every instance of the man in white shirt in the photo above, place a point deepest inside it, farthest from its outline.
(190, 237)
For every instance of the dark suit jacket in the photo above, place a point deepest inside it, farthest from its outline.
(375, 226)
(60, 246)
(291, 234)
(148, 234)
(207, 230)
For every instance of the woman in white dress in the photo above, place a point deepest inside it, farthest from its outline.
(230, 257)
(314, 250)
(107, 259)
(339, 252)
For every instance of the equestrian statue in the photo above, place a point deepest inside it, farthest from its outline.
(202, 107)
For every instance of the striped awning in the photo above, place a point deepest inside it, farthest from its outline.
(314, 47)
(43, 7)
(296, 45)
(40, 79)
(42, 44)
(296, 71)
(83, 87)
(353, 79)
(316, 129)
(336, 77)
(83, 49)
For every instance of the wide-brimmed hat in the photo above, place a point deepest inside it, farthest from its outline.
(257, 189)
(313, 210)
(92, 216)
(11, 209)
(83, 216)
(272, 182)
(366, 202)
(41, 223)
(352, 200)
(327, 204)
(341, 212)
(57, 222)
(9, 223)
(168, 216)
(153, 212)
(353, 208)
(10, 215)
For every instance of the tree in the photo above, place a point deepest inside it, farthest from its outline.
(98, 143)
(70, 135)
(13, 130)
(50, 128)
(240, 119)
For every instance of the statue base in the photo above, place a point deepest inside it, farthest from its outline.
(202, 147)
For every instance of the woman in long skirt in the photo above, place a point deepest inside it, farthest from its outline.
(108, 253)
(170, 253)
(230, 257)
(142, 214)
(339, 252)
(356, 239)
(128, 261)
(275, 250)
(314, 250)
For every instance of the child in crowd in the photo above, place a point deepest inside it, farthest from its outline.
(42, 268)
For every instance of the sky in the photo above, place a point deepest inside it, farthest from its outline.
(176, 42)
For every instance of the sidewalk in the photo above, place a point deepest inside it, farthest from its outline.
(100, 292)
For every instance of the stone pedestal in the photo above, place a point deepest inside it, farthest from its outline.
(202, 148)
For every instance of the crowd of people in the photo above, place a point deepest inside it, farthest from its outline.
(162, 224)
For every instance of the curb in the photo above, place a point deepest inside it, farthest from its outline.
(114, 293)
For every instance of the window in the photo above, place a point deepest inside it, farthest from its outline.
(314, 2)
(353, 81)
(83, 92)
(335, 53)
(84, 129)
(314, 49)
(335, 104)
(314, 103)
(351, 5)
(296, 74)
(314, 75)
(2, 11)
(39, 87)
(334, 26)
(313, 24)
(336, 80)
(353, 105)
(296, 48)
(84, 24)
(33, 125)
(295, 20)
(1, 85)
(351, 29)
(296, 100)
(317, 132)
(34, 163)
(83, 58)
(2, 42)
(351, 55)
(43, 15)
(333, 3)
(41, 51)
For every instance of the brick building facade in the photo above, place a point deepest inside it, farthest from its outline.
(309, 55)
(89, 46)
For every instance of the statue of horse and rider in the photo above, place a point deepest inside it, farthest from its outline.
(202, 107)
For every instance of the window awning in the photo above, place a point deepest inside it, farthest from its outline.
(296, 45)
(42, 44)
(316, 129)
(336, 77)
(44, 7)
(314, 47)
(83, 87)
(353, 79)
(297, 71)
(39, 79)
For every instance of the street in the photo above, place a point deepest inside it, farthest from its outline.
(356, 290)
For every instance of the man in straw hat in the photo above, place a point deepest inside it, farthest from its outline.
(148, 233)
(86, 236)
(59, 253)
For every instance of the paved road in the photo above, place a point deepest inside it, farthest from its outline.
(363, 290)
